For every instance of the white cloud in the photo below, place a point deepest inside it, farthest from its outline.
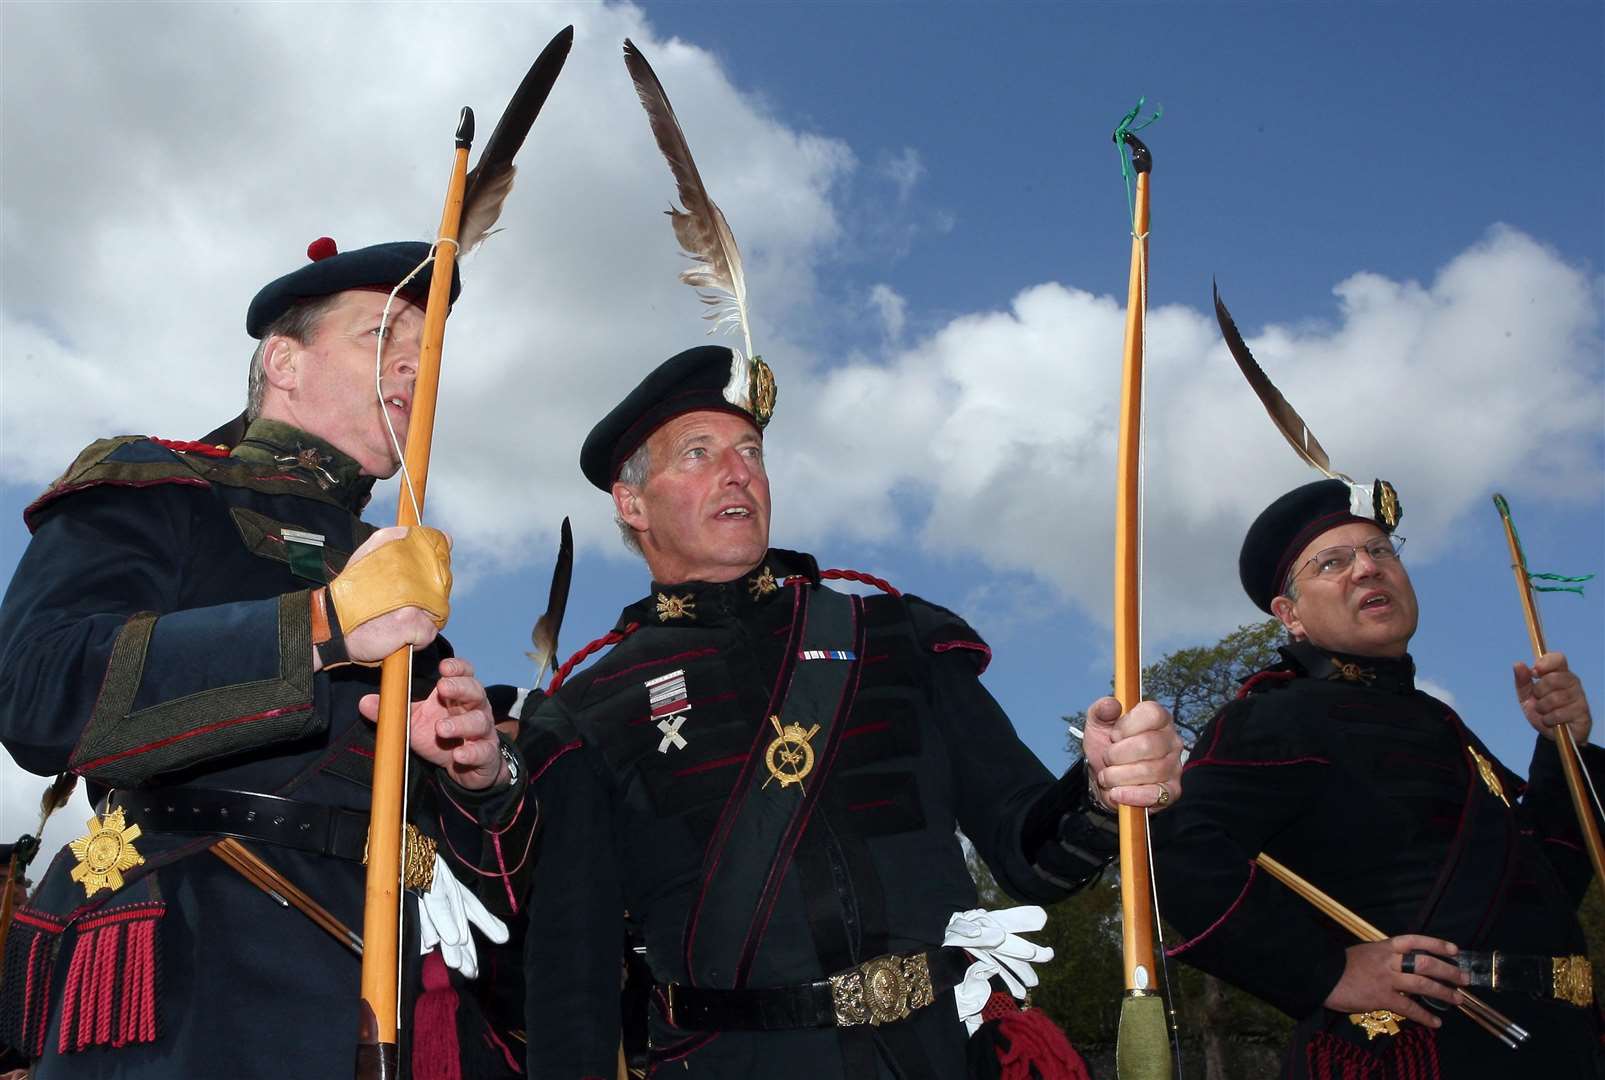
(1436, 689)
(198, 171)
(200, 162)
(904, 169)
(892, 308)
(20, 793)
(1000, 426)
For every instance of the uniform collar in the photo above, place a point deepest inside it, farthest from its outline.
(306, 457)
(710, 603)
(1392, 673)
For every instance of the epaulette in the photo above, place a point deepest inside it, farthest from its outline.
(140, 461)
(123, 461)
(941, 631)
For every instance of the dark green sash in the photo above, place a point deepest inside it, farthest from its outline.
(757, 832)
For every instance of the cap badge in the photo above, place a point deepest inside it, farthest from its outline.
(1386, 501)
(789, 757)
(676, 607)
(761, 391)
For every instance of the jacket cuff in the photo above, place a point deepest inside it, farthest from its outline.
(1066, 838)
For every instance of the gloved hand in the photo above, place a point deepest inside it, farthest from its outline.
(394, 591)
(992, 937)
(444, 915)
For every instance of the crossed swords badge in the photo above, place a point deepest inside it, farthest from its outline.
(790, 756)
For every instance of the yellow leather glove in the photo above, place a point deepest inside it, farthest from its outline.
(414, 571)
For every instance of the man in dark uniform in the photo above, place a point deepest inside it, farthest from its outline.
(1332, 762)
(193, 629)
(768, 775)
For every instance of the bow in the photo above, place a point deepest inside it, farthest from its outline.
(1142, 1049)
(377, 1050)
(1585, 801)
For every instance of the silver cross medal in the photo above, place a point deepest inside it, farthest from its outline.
(670, 726)
(666, 696)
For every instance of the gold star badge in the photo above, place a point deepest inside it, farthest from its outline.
(105, 853)
(1490, 779)
(676, 607)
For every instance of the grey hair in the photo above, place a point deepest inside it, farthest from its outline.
(299, 323)
(633, 475)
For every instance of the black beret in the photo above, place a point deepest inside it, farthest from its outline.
(331, 271)
(696, 380)
(1292, 521)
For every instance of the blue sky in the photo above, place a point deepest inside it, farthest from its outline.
(1402, 203)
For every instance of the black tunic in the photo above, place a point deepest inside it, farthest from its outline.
(157, 632)
(879, 869)
(1368, 788)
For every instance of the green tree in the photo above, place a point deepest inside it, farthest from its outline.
(1194, 683)
(1225, 1032)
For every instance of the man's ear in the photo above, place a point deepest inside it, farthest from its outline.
(1287, 611)
(630, 507)
(280, 358)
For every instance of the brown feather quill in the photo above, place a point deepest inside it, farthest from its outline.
(701, 229)
(490, 181)
(544, 636)
(1283, 415)
(55, 797)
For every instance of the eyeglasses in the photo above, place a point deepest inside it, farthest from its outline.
(1332, 561)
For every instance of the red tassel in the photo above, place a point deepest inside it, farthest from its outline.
(435, 1053)
(73, 993)
(1415, 1054)
(1037, 1048)
(999, 1005)
(1330, 1058)
(110, 995)
(138, 1020)
(29, 965)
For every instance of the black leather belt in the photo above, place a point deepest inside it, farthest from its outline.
(879, 991)
(305, 826)
(1564, 978)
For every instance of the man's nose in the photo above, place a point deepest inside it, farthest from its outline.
(1364, 565)
(737, 470)
(401, 358)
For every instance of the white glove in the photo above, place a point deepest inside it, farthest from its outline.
(444, 915)
(992, 937)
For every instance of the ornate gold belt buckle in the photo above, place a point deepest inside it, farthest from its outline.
(882, 991)
(1574, 980)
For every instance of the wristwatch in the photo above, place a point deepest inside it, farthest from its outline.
(509, 759)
